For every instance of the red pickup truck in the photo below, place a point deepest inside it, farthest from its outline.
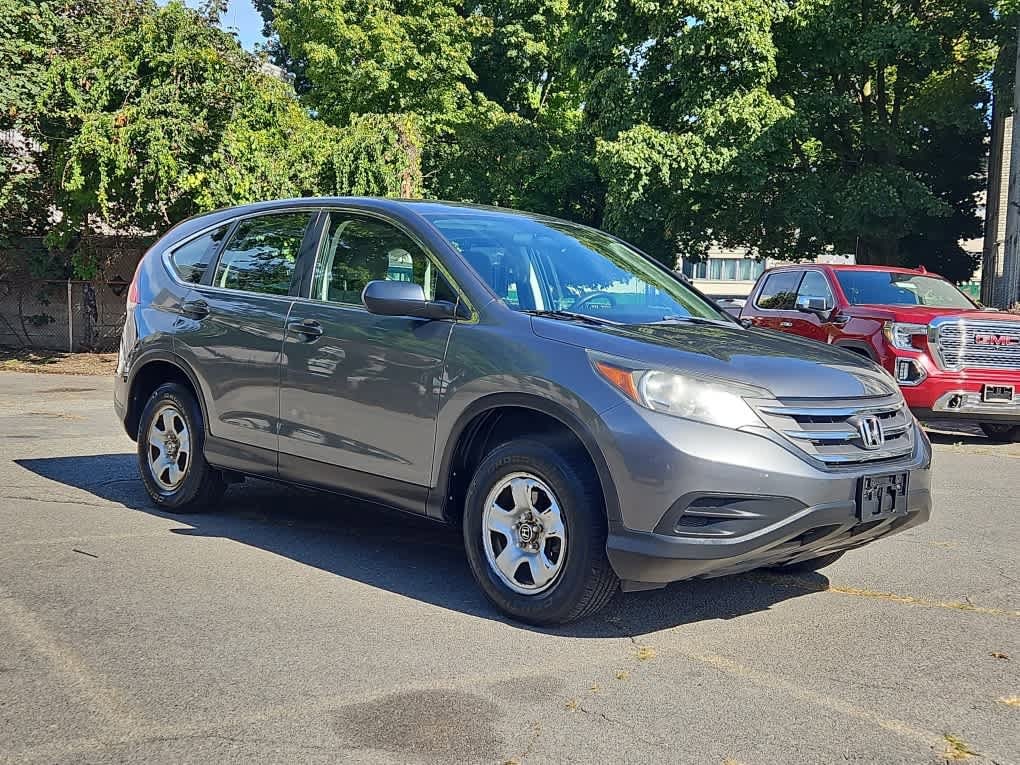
(951, 358)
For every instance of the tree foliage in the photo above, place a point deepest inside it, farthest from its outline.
(784, 128)
(163, 116)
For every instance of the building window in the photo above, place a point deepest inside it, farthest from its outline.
(725, 269)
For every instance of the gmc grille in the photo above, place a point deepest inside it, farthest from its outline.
(832, 432)
(956, 347)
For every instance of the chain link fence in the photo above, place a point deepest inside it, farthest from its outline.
(62, 315)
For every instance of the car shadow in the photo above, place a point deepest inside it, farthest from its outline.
(405, 554)
(950, 433)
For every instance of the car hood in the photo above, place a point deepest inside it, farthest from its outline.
(786, 366)
(920, 314)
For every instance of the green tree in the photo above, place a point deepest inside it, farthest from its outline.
(679, 94)
(894, 98)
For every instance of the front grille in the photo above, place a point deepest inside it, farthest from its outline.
(955, 344)
(831, 431)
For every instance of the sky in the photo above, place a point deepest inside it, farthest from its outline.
(242, 19)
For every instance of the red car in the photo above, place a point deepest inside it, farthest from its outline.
(951, 358)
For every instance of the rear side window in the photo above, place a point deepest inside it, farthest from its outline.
(779, 293)
(261, 254)
(191, 260)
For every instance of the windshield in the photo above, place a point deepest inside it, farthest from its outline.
(891, 288)
(558, 266)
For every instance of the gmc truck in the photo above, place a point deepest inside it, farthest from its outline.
(952, 358)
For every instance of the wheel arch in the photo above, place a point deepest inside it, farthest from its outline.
(479, 428)
(147, 374)
(859, 347)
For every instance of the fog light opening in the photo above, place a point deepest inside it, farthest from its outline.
(909, 372)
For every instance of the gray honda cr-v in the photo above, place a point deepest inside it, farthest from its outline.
(586, 417)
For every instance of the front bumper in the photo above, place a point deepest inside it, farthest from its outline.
(701, 501)
(956, 395)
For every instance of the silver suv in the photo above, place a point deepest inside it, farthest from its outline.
(585, 416)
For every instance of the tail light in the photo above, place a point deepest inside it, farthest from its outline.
(132, 295)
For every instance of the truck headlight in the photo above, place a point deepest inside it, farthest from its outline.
(900, 335)
(715, 402)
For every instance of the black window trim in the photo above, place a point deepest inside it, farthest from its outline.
(768, 276)
(304, 287)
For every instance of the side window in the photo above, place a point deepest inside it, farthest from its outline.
(779, 293)
(356, 250)
(260, 256)
(192, 259)
(816, 286)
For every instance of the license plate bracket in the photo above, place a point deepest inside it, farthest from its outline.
(881, 496)
(997, 394)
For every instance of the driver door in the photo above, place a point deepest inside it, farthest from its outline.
(360, 392)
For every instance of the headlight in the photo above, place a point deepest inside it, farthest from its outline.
(694, 398)
(899, 334)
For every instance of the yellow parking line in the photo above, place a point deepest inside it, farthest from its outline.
(909, 600)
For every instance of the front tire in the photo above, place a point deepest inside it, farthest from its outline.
(998, 431)
(171, 434)
(535, 534)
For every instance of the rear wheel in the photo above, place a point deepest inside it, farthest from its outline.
(171, 434)
(811, 564)
(999, 431)
(535, 534)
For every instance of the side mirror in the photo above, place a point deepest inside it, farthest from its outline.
(387, 298)
(816, 305)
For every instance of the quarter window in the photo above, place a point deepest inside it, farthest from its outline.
(779, 293)
(357, 250)
(261, 254)
(191, 260)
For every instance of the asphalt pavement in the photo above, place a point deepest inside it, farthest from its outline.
(290, 626)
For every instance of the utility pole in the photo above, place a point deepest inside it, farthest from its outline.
(1008, 293)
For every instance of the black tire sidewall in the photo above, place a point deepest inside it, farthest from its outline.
(197, 470)
(1003, 432)
(583, 517)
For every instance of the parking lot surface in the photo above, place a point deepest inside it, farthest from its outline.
(290, 626)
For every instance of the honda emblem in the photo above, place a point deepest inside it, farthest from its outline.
(870, 428)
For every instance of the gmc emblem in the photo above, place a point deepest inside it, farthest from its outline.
(983, 338)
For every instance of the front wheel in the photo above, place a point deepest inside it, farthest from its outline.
(535, 534)
(170, 458)
(998, 431)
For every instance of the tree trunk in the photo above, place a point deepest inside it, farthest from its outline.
(90, 317)
(1010, 286)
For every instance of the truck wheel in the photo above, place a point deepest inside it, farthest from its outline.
(170, 458)
(535, 534)
(998, 431)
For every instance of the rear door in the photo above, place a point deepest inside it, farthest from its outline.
(360, 392)
(231, 332)
(774, 303)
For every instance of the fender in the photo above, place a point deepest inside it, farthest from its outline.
(438, 493)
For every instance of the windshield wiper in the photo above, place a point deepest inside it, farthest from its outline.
(572, 316)
(694, 320)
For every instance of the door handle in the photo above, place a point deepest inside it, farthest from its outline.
(786, 324)
(195, 309)
(310, 328)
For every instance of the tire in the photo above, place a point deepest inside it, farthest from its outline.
(999, 431)
(177, 478)
(811, 564)
(575, 547)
